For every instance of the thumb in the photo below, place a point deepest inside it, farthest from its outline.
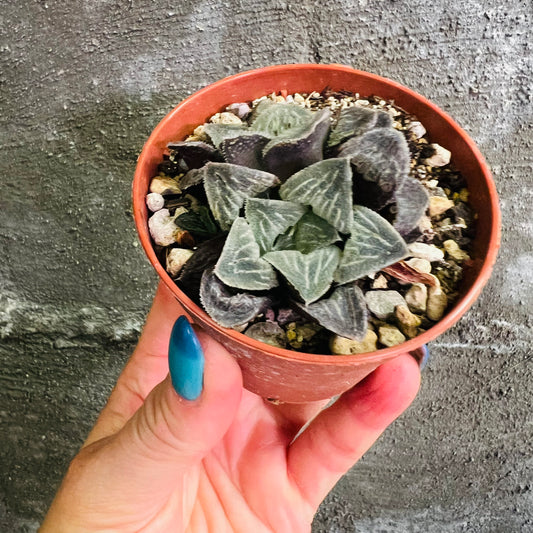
(185, 416)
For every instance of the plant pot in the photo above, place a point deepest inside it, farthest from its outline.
(286, 375)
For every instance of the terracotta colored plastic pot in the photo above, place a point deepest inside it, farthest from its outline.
(300, 377)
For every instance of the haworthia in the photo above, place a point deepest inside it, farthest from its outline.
(373, 245)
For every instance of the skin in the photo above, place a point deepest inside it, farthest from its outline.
(226, 462)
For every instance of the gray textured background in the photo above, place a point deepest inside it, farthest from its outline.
(82, 84)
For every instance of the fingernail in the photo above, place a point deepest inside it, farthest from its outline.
(185, 360)
(422, 356)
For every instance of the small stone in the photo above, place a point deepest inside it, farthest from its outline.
(225, 118)
(298, 98)
(440, 158)
(199, 133)
(176, 258)
(417, 128)
(436, 303)
(162, 227)
(380, 282)
(240, 110)
(425, 251)
(343, 346)
(420, 265)
(425, 225)
(164, 185)
(390, 336)
(416, 297)
(439, 205)
(454, 251)
(155, 201)
(463, 195)
(408, 322)
(382, 303)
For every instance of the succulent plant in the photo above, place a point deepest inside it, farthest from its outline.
(292, 214)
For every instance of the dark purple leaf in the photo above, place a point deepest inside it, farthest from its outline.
(227, 308)
(411, 203)
(245, 150)
(195, 153)
(284, 156)
(205, 256)
(344, 312)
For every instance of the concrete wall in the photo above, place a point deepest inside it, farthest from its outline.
(81, 86)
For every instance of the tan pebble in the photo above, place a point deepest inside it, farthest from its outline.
(380, 282)
(164, 185)
(298, 98)
(407, 321)
(390, 336)
(453, 251)
(439, 205)
(416, 297)
(440, 158)
(343, 346)
(420, 265)
(436, 303)
(225, 118)
(463, 195)
(176, 258)
(280, 99)
(199, 133)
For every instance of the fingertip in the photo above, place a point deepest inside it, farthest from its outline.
(387, 392)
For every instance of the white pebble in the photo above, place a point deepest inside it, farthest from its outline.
(420, 265)
(425, 251)
(440, 158)
(417, 128)
(155, 201)
(176, 258)
(162, 227)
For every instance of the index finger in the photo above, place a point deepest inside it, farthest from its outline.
(339, 436)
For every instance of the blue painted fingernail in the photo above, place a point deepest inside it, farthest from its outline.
(185, 360)
(425, 357)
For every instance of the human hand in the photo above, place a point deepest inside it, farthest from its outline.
(227, 461)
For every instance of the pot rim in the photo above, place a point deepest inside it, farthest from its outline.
(449, 319)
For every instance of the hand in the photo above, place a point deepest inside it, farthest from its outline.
(227, 461)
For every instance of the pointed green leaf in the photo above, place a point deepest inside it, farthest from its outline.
(310, 274)
(220, 132)
(226, 308)
(275, 119)
(227, 187)
(313, 232)
(285, 241)
(327, 187)
(240, 264)
(298, 149)
(373, 245)
(270, 218)
(344, 312)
